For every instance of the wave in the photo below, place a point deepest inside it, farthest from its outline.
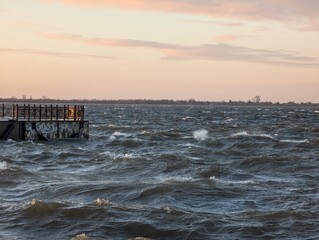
(294, 141)
(140, 238)
(285, 214)
(159, 135)
(264, 160)
(188, 117)
(120, 134)
(81, 236)
(159, 190)
(37, 208)
(254, 135)
(267, 136)
(102, 202)
(115, 156)
(115, 127)
(170, 180)
(231, 182)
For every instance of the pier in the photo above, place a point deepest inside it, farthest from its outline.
(42, 122)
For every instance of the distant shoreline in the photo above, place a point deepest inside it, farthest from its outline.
(151, 102)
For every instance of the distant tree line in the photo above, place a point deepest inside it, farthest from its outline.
(254, 101)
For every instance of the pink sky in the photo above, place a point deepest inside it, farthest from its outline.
(171, 49)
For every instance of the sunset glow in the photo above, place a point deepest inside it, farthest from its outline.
(173, 49)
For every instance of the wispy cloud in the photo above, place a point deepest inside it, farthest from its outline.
(219, 23)
(301, 11)
(110, 42)
(232, 37)
(313, 27)
(226, 52)
(222, 52)
(53, 54)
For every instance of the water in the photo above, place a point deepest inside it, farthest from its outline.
(168, 172)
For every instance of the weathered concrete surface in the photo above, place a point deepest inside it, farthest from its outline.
(43, 130)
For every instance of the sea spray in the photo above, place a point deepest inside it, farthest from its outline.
(201, 135)
(3, 165)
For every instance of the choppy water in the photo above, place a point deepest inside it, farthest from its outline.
(168, 172)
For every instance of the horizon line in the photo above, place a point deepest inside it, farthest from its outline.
(140, 100)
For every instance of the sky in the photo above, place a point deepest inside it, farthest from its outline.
(211, 50)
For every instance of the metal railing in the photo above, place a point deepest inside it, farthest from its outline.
(43, 113)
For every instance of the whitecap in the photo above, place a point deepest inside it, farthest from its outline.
(213, 178)
(138, 238)
(36, 202)
(294, 141)
(168, 210)
(120, 134)
(116, 156)
(245, 133)
(162, 179)
(201, 135)
(112, 138)
(188, 117)
(81, 236)
(230, 182)
(102, 201)
(4, 165)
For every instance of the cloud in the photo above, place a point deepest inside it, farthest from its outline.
(313, 27)
(216, 52)
(232, 37)
(281, 10)
(53, 54)
(220, 23)
(225, 52)
(111, 42)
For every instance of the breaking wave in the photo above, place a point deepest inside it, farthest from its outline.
(254, 135)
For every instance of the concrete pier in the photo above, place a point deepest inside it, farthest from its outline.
(42, 123)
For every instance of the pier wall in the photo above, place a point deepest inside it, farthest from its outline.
(43, 130)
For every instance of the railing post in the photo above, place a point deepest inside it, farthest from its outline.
(2, 110)
(40, 113)
(12, 114)
(63, 112)
(51, 112)
(24, 111)
(75, 112)
(29, 112)
(68, 112)
(46, 112)
(82, 112)
(57, 112)
(17, 111)
(34, 111)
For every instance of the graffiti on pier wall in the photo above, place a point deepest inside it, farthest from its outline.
(73, 130)
(56, 130)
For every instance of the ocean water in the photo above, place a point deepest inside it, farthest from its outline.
(168, 172)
